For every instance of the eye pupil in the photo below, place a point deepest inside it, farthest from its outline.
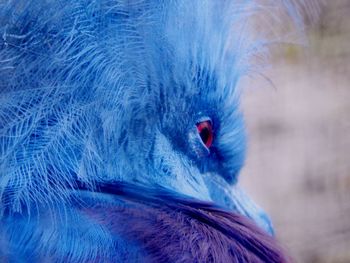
(205, 132)
(204, 135)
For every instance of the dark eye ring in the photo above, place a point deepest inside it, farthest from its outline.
(205, 131)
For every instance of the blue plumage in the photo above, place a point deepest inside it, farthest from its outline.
(96, 92)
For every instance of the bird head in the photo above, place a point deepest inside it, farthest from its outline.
(142, 92)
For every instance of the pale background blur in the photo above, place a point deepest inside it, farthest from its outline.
(298, 166)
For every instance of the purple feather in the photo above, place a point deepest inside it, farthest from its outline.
(171, 228)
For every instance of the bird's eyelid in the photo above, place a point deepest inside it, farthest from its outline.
(203, 119)
(198, 148)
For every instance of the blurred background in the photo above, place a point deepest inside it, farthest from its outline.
(298, 166)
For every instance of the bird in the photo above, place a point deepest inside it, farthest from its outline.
(121, 131)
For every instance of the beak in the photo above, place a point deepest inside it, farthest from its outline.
(244, 205)
(235, 199)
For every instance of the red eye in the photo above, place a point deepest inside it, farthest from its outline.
(205, 130)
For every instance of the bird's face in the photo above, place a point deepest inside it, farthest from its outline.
(191, 140)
